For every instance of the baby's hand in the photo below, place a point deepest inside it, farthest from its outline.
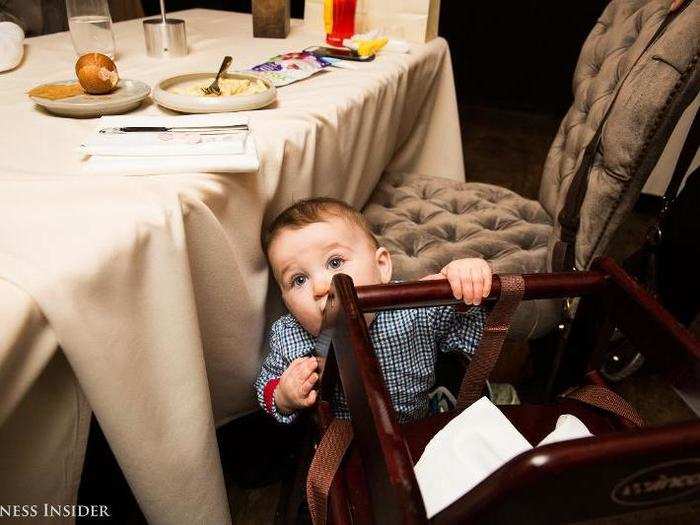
(295, 389)
(470, 279)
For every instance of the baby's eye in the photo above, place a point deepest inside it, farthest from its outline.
(298, 280)
(335, 263)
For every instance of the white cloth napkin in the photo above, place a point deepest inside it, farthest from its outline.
(11, 45)
(567, 427)
(465, 451)
(472, 446)
(144, 153)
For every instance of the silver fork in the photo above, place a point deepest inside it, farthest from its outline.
(213, 88)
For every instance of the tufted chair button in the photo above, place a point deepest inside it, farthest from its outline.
(585, 106)
(638, 22)
(452, 234)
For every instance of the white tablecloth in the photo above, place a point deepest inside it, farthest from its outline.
(155, 287)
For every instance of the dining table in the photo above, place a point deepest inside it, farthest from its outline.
(144, 300)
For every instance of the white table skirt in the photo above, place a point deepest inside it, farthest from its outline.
(155, 287)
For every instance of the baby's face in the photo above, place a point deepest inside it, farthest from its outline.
(304, 261)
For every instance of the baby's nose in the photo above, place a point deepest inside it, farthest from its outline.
(321, 288)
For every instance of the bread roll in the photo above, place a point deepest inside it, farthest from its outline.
(96, 73)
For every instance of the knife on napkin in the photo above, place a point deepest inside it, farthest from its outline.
(182, 129)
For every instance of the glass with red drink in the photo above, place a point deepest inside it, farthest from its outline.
(343, 25)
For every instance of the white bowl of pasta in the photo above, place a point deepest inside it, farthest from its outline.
(239, 91)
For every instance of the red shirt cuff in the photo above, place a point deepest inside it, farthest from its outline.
(268, 392)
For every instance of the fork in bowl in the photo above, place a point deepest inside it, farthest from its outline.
(213, 88)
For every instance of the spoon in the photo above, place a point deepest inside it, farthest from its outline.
(213, 88)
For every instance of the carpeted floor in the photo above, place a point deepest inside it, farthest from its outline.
(506, 148)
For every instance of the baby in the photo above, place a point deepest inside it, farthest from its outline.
(306, 245)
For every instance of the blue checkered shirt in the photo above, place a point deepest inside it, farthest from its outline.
(406, 343)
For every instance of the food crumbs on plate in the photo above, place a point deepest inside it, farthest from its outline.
(57, 91)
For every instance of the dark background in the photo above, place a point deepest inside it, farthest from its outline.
(513, 54)
(517, 54)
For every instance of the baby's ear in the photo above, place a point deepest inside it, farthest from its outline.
(383, 260)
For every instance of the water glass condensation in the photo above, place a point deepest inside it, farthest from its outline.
(90, 27)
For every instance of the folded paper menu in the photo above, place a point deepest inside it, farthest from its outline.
(473, 445)
(142, 145)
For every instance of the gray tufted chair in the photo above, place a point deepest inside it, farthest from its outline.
(425, 222)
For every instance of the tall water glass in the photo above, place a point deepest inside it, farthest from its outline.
(91, 27)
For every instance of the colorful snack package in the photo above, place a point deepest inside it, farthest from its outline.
(291, 67)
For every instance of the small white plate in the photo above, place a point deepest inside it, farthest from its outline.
(194, 104)
(128, 95)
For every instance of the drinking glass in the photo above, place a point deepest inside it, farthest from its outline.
(91, 27)
(343, 25)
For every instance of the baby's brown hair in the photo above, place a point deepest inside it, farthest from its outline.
(310, 211)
